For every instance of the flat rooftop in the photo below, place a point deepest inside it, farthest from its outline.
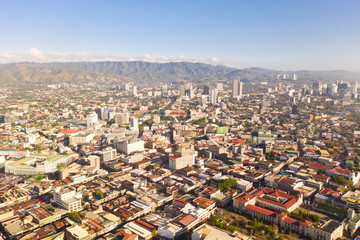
(330, 226)
(33, 158)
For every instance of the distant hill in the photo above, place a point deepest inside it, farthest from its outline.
(138, 71)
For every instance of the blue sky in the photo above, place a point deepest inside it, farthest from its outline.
(288, 35)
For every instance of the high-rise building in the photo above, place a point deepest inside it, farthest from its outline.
(186, 89)
(183, 158)
(125, 87)
(280, 86)
(213, 95)
(295, 77)
(206, 90)
(122, 118)
(134, 91)
(317, 88)
(94, 162)
(134, 124)
(68, 199)
(292, 100)
(237, 88)
(220, 86)
(294, 109)
(91, 120)
(354, 88)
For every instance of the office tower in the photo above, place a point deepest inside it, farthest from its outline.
(213, 95)
(100, 112)
(186, 90)
(237, 88)
(94, 162)
(125, 87)
(354, 88)
(294, 109)
(206, 90)
(91, 120)
(134, 124)
(292, 100)
(295, 77)
(280, 86)
(316, 88)
(122, 118)
(134, 91)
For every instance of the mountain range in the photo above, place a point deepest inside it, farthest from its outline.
(15, 74)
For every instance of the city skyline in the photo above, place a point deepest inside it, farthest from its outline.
(278, 35)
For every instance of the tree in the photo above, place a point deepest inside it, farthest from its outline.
(228, 184)
(75, 214)
(341, 180)
(99, 193)
(37, 148)
(60, 166)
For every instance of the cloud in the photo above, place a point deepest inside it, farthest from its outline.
(36, 55)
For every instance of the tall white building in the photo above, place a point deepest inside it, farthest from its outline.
(68, 199)
(295, 77)
(213, 95)
(354, 88)
(134, 91)
(94, 162)
(91, 120)
(237, 89)
(182, 158)
(129, 146)
(134, 124)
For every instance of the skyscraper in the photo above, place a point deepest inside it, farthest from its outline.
(134, 124)
(186, 89)
(237, 88)
(122, 118)
(91, 120)
(213, 95)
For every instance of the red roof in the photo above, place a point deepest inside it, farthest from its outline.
(238, 141)
(260, 210)
(327, 191)
(185, 219)
(244, 197)
(342, 171)
(319, 166)
(145, 225)
(69, 131)
(179, 201)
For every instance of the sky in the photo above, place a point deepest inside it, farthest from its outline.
(276, 34)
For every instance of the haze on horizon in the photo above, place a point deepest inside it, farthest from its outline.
(283, 35)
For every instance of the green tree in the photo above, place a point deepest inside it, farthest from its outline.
(60, 166)
(37, 148)
(228, 184)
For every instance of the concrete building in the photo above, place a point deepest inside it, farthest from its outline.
(68, 199)
(36, 164)
(91, 120)
(134, 124)
(182, 158)
(122, 118)
(129, 146)
(107, 155)
(81, 138)
(237, 89)
(213, 95)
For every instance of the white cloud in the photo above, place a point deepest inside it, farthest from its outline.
(36, 55)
